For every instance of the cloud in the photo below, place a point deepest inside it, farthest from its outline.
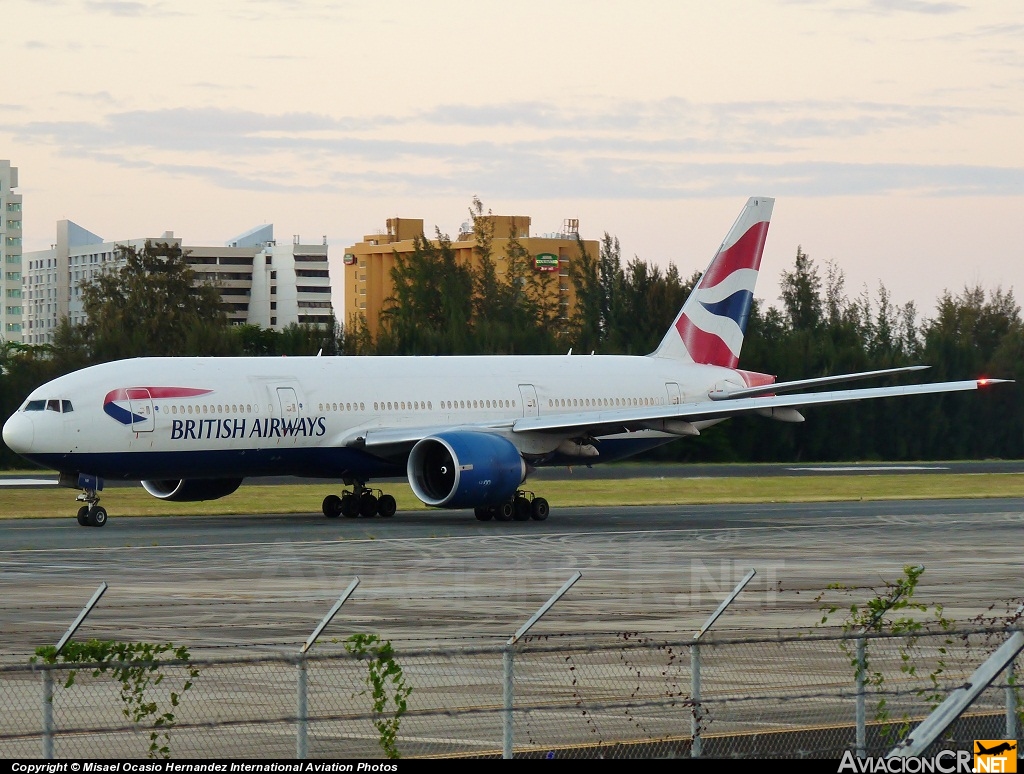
(129, 8)
(915, 6)
(886, 7)
(268, 10)
(657, 149)
(104, 97)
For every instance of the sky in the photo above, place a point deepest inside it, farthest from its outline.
(889, 131)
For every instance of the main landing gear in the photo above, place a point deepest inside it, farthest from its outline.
(360, 502)
(522, 507)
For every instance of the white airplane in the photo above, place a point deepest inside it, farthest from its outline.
(465, 431)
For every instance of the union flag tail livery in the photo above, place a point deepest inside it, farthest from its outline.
(710, 326)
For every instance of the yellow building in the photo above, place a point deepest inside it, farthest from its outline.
(368, 263)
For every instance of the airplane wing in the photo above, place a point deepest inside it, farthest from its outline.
(617, 420)
(718, 406)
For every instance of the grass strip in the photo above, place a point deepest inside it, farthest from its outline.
(306, 498)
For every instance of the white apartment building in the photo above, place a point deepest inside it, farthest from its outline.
(261, 283)
(11, 302)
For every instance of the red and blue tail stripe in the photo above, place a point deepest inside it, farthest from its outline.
(712, 323)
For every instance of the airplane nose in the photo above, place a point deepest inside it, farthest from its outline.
(19, 433)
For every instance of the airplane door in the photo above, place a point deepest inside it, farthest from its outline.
(140, 404)
(289, 403)
(530, 406)
(674, 398)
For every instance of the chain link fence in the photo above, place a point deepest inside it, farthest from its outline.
(570, 696)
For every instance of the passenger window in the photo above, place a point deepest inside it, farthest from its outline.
(66, 406)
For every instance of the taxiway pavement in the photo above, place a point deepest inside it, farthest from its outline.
(429, 578)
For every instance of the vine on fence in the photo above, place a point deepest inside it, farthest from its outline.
(137, 667)
(881, 614)
(1012, 618)
(385, 682)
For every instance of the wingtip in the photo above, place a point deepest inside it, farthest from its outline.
(984, 382)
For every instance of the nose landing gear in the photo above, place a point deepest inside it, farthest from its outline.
(93, 514)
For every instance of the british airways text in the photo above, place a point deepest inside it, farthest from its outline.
(197, 429)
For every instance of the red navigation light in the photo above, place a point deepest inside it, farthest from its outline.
(983, 382)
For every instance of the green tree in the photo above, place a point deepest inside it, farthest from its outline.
(801, 293)
(431, 308)
(151, 306)
(585, 325)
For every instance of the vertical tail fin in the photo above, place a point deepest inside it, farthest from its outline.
(710, 327)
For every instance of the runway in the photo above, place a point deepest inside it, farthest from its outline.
(442, 577)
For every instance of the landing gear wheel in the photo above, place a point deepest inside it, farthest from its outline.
(367, 505)
(386, 506)
(349, 506)
(521, 509)
(484, 512)
(332, 506)
(83, 516)
(504, 511)
(97, 516)
(539, 509)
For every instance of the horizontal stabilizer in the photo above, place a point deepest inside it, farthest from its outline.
(801, 384)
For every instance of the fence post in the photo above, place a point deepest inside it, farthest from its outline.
(48, 673)
(506, 663)
(47, 712)
(1011, 703)
(695, 718)
(959, 700)
(698, 709)
(301, 711)
(506, 720)
(861, 716)
(301, 703)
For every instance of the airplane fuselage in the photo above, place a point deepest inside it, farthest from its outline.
(154, 418)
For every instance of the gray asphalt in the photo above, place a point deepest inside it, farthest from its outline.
(217, 583)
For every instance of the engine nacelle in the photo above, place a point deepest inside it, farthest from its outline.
(189, 490)
(464, 469)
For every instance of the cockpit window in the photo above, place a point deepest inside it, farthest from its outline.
(35, 405)
(53, 405)
(66, 406)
